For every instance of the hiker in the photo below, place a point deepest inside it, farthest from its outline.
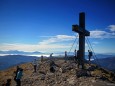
(42, 58)
(8, 82)
(35, 64)
(51, 55)
(90, 55)
(65, 56)
(78, 59)
(75, 56)
(17, 69)
(53, 66)
(19, 76)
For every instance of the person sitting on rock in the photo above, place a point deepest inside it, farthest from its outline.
(8, 82)
(53, 66)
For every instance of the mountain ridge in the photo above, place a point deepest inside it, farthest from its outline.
(13, 60)
(16, 52)
(65, 74)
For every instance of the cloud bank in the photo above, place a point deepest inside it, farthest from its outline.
(57, 42)
(111, 28)
(101, 34)
(57, 39)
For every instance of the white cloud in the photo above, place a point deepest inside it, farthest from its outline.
(57, 38)
(101, 34)
(35, 47)
(53, 43)
(111, 28)
(95, 42)
(17, 46)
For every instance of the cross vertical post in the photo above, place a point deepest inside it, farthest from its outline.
(82, 39)
(80, 29)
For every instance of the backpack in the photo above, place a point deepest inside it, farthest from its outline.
(19, 74)
(90, 54)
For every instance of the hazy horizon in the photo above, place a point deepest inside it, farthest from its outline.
(47, 54)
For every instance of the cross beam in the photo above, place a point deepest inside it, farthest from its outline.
(80, 29)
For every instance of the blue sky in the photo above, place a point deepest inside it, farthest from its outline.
(46, 25)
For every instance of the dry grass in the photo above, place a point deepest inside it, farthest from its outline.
(62, 78)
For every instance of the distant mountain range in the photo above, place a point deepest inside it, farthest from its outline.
(12, 60)
(16, 52)
(108, 63)
(15, 57)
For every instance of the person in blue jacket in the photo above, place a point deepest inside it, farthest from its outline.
(18, 68)
(19, 76)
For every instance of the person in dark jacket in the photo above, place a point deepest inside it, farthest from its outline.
(90, 55)
(8, 82)
(17, 69)
(78, 58)
(35, 65)
(65, 56)
(75, 56)
(19, 76)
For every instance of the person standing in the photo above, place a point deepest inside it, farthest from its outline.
(75, 56)
(65, 56)
(19, 76)
(17, 69)
(89, 55)
(35, 65)
(42, 58)
(78, 58)
(51, 57)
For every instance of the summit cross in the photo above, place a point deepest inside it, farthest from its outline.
(80, 29)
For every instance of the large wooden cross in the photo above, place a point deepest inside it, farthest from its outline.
(82, 33)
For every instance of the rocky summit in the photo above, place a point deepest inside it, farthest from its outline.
(58, 72)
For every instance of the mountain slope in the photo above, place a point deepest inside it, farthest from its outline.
(108, 63)
(65, 74)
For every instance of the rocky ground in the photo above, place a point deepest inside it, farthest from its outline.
(64, 74)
